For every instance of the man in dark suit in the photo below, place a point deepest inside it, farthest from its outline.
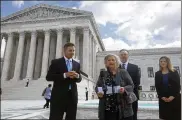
(65, 73)
(134, 72)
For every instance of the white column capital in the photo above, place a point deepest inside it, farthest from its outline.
(60, 30)
(2, 35)
(86, 29)
(73, 30)
(10, 34)
(22, 33)
(33, 32)
(47, 31)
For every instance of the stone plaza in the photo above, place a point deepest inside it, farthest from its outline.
(33, 109)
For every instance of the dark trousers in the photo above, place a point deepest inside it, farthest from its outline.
(115, 116)
(111, 115)
(86, 95)
(128, 118)
(27, 84)
(70, 108)
(135, 109)
(47, 103)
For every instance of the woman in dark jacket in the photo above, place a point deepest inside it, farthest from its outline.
(167, 83)
(115, 92)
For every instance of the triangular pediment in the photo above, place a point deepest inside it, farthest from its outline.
(43, 11)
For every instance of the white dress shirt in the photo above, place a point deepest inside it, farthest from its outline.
(126, 64)
(71, 60)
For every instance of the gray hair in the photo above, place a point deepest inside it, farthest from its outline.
(116, 58)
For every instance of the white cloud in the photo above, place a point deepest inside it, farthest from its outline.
(117, 44)
(74, 8)
(173, 44)
(143, 23)
(18, 3)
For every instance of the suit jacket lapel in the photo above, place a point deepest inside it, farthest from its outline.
(128, 67)
(64, 64)
(73, 65)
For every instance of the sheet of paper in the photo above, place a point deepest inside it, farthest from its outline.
(100, 89)
(117, 89)
(109, 90)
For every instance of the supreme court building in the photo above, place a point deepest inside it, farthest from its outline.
(36, 35)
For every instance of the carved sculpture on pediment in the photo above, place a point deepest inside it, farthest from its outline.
(45, 13)
(41, 13)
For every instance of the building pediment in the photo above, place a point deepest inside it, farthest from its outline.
(43, 11)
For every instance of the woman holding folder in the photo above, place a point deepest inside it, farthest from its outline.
(114, 89)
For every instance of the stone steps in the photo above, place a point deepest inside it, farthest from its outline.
(18, 91)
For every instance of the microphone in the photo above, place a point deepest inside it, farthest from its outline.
(102, 75)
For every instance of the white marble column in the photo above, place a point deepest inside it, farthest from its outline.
(1, 40)
(7, 57)
(31, 58)
(92, 50)
(85, 56)
(19, 56)
(45, 54)
(73, 37)
(77, 44)
(94, 60)
(6, 42)
(25, 57)
(0, 54)
(59, 43)
(52, 48)
(38, 59)
(90, 55)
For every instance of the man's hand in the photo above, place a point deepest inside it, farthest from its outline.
(72, 74)
(68, 74)
(164, 99)
(100, 94)
(170, 99)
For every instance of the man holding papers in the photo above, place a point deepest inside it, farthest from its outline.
(65, 72)
(115, 92)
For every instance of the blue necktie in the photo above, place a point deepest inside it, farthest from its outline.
(69, 66)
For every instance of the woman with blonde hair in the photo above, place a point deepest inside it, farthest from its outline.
(114, 89)
(167, 83)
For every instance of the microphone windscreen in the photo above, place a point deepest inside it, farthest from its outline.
(102, 72)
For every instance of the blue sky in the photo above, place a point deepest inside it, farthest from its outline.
(124, 24)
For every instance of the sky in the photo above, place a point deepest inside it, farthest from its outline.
(124, 24)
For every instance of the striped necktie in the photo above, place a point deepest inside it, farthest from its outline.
(123, 65)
